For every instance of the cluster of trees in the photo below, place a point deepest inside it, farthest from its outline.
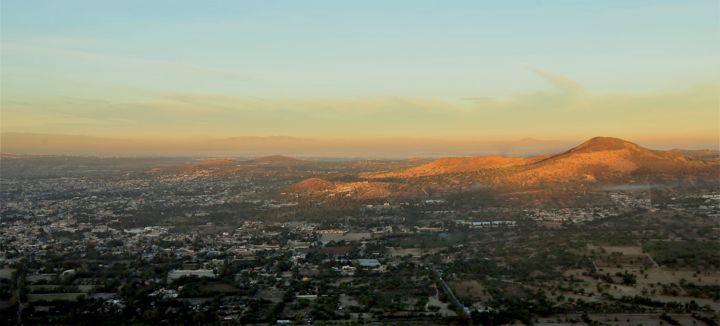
(701, 255)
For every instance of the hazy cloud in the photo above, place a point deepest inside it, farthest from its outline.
(560, 82)
(549, 113)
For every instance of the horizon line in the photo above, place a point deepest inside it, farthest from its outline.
(36, 144)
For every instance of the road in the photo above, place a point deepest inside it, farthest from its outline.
(458, 306)
(20, 304)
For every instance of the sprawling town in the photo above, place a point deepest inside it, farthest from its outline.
(374, 162)
(129, 243)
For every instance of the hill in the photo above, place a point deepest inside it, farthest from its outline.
(310, 185)
(454, 165)
(317, 188)
(600, 160)
(606, 159)
(595, 160)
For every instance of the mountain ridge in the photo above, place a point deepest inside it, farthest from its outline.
(597, 160)
(614, 154)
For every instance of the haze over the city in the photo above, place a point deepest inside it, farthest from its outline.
(366, 78)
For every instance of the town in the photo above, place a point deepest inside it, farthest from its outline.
(365, 162)
(143, 246)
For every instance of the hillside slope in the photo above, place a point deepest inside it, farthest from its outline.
(597, 159)
(605, 159)
(362, 190)
(454, 165)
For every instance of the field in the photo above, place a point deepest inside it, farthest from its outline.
(469, 290)
(625, 271)
(619, 319)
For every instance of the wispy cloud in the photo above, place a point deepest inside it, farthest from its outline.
(560, 82)
(209, 102)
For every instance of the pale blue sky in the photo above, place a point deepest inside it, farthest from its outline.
(77, 59)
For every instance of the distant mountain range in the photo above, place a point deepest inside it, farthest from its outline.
(598, 160)
(231, 166)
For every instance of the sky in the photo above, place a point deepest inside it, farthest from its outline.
(647, 71)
